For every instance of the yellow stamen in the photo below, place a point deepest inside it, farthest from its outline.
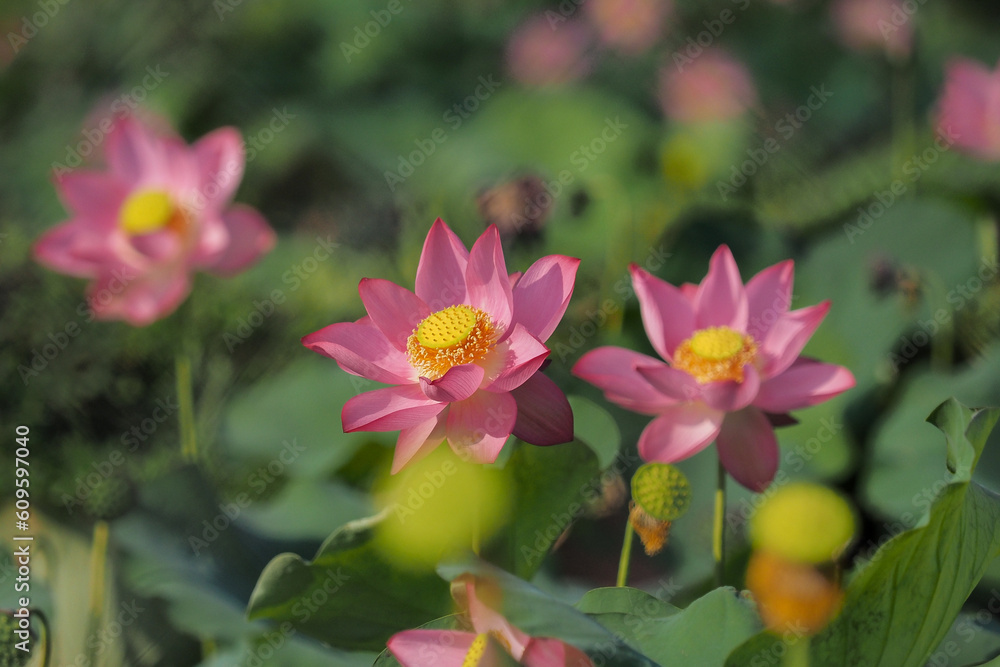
(476, 651)
(715, 354)
(149, 211)
(451, 337)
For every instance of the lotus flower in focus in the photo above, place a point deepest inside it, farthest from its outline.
(462, 353)
(732, 367)
(712, 87)
(970, 108)
(160, 212)
(491, 638)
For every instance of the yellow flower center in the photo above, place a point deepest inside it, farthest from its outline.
(715, 354)
(476, 651)
(451, 337)
(149, 211)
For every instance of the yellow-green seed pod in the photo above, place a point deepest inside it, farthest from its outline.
(661, 490)
(803, 523)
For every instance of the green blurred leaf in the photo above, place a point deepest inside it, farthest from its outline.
(902, 604)
(347, 596)
(672, 636)
(550, 488)
(596, 428)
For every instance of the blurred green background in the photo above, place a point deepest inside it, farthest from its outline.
(324, 125)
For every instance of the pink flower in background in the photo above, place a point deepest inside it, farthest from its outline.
(544, 52)
(970, 108)
(630, 26)
(492, 635)
(714, 86)
(733, 367)
(864, 25)
(158, 213)
(463, 353)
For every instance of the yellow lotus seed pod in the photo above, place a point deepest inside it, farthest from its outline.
(661, 490)
(803, 523)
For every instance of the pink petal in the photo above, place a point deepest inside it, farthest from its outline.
(748, 449)
(614, 371)
(441, 271)
(730, 396)
(395, 310)
(519, 357)
(680, 432)
(788, 336)
(220, 160)
(416, 442)
(420, 648)
(667, 314)
(721, 300)
(487, 278)
(57, 249)
(806, 382)
(360, 348)
(486, 620)
(547, 652)
(544, 416)
(769, 294)
(457, 384)
(969, 105)
(542, 294)
(479, 426)
(136, 154)
(389, 409)
(249, 238)
(95, 196)
(671, 382)
(138, 297)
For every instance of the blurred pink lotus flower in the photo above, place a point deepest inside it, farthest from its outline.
(463, 353)
(712, 87)
(970, 108)
(549, 50)
(492, 636)
(734, 367)
(630, 26)
(158, 213)
(864, 25)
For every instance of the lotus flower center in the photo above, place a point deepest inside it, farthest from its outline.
(149, 211)
(476, 651)
(715, 354)
(451, 337)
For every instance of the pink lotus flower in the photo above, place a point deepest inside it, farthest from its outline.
(158, 213)
(863, 25)
(463, 353)
(970, 108)
(630, 26)
(492, 635)
(548, 51)
(712, 87)
(733, 367)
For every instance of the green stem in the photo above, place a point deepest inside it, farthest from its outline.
(98, 567)
(719, 528)
(626, 554)
(185, 398)
(797, 654)
(45, 637)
